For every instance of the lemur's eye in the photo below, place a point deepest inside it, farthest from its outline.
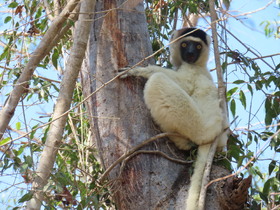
(198, 46)
(184, 44)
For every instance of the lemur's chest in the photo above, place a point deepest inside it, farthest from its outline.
(186, 81)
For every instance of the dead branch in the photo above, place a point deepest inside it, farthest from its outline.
(38, 141)
(154, 152)
(157, 152)
(221, 92)
(233, 193)
(130, 152)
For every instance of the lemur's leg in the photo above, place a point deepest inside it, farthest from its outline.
(173, 109)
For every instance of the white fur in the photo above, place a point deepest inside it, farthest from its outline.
(186, 102)
(196, 178)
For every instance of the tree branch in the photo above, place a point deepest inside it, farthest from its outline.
(63, 104)
(133, 150)
(222, 97)
(249, 162)
(41, 51)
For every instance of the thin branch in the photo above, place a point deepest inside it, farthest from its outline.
(41, 51)
(38, 141)
(56, 5)
(157, 152)
(222, 97)
(249, 13)
(276, 207)
(130, 152)
(153, 152)
(248, 163)
(64, 100)
(248, 48)
(48, 9)
(252, 59)
(98, 89)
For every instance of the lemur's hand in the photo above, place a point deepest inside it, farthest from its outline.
(129, 71)
(124, 72)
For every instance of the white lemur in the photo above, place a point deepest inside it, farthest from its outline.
(185, 100)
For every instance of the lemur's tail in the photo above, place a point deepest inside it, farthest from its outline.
(196, 179)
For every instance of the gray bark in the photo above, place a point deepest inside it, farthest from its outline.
(120, 119)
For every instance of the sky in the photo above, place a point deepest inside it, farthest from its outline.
(247, 29)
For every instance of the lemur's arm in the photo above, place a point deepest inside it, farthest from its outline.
(146, 72)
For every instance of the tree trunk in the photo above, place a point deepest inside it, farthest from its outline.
(120, 119)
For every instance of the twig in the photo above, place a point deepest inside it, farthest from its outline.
(251, 12)
(247, 164)
(221, 91)
(252, 59)
(157, 152)
(248, 48)
(154, 152)
(130, 152)
(9, 109)
(276, 207)
(97, 90)
(63, 103)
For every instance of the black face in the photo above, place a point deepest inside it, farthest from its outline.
(190, 51)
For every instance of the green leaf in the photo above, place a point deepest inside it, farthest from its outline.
(7, 19)
(255, 66)
(266, 189)
(34, 129)
(20, 150)
(258, 172)
(13, 4)
(250, 89)
(239, 82)
(55, 57)
(245, 61)
(242, 98)
(233, 107)
(268, 112)
(4, 54)
(224, 66)
(23, 167)
(231, 92)
(249, 142)
(258, 85)
(271, 166)
(18, 125)
(263, 197)
(4, 141)
(26, 197)
(28, 160)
